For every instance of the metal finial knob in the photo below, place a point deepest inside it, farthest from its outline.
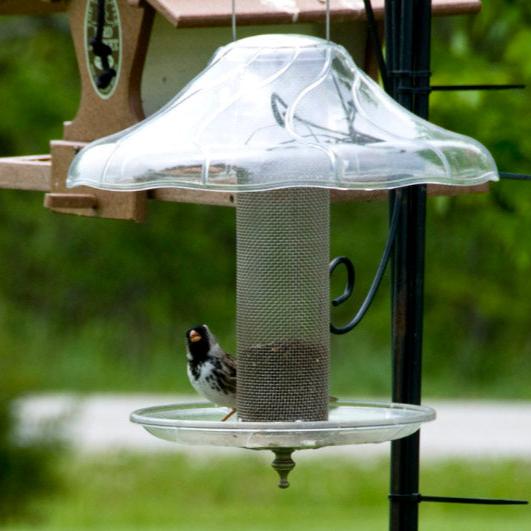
(283, 464)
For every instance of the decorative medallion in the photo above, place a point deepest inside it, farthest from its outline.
(103, 45)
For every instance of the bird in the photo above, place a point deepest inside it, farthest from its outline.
(211, 371)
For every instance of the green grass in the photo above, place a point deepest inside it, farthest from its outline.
(162, 492)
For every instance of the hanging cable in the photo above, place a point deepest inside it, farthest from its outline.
(377, 280)
(327, 20)
(376, 44)
(233, 19)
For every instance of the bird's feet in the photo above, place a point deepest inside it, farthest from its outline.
(228, 415)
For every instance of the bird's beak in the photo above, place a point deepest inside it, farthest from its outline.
(195, 336)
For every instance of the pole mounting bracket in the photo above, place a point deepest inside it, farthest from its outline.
(416, 497)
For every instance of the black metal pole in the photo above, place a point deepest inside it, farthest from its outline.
(408, 33)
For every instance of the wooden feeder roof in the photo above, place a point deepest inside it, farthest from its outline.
(194, 13)
(191, 13)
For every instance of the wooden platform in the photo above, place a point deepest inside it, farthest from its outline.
(32, 172)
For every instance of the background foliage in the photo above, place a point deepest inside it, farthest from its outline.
(27, 465)
(102, 305)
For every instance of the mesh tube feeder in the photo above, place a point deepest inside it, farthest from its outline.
(280, 120)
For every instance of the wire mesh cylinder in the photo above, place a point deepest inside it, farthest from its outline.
(283, 305)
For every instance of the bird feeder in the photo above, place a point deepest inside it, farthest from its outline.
(277, 126)
(279, 121)
(308, 141)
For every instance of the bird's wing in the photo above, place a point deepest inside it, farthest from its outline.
(231, 362)
(228, 376)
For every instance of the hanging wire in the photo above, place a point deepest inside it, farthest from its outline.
(515, 176)
(377, 45)
(327, 20)
(377, 280)
(233, 20)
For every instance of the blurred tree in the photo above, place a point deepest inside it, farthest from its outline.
(478, 256)
(27, 468)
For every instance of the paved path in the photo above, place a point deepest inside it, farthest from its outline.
(470, 429)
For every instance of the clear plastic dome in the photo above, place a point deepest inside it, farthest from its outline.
(277, 111)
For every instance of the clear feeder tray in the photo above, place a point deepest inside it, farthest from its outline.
(349, 422)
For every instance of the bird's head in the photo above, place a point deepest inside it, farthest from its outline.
(199, 342)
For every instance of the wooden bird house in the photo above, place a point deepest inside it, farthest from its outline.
(134, 55)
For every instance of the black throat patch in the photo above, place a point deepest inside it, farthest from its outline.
(199, 350)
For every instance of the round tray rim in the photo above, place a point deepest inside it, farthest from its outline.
(418, 414)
